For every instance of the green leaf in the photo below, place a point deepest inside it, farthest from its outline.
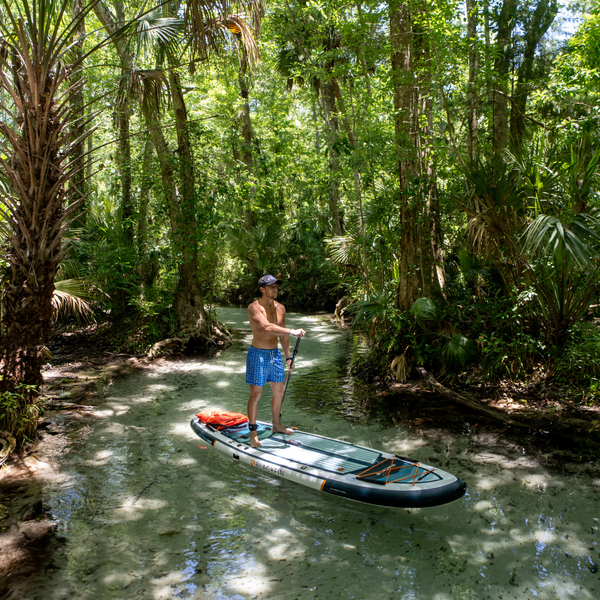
(425, 309)
(459, 350)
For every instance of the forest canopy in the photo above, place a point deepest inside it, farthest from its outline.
(431, 168)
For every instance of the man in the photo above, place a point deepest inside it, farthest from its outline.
(264, 363)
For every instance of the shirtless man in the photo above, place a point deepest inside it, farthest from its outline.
(267, 320)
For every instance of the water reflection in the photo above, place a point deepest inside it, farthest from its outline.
(147, 513)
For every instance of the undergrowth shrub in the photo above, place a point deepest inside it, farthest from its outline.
(20, 410)
(579, 361)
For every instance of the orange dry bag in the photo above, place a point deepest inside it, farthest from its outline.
(221, 418)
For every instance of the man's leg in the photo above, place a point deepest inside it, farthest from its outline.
(255, 394)
(278, 389)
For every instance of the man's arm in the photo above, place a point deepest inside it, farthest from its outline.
(285, 339)
(285, 342)
(260, 324)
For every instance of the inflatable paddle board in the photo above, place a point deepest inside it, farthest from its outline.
(332, 466)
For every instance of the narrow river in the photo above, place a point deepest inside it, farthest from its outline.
(147, 513)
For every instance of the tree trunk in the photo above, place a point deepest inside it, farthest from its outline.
(472, 141)
(247, 136)
(123, 159)
(504, 54)
(540, 22)
(123, 154)
(34, 223)
(167, 169)
(142, 225)
(419, 266)
(327, 95)
(77, 184)
(349, 129)
(189, 303)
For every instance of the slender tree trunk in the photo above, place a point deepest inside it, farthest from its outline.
(123, 156)
(122, 117)
(316, 125)
(89, 161)
(350, 132)
(472, 137)
(488, 45)
(538, 25)
(77, 184)
(245, 129)
(504, 53)
(189, 303)
(328, 104)
(167, 168)
(404, 112)
(142, 225)
(419, 242)
(361, 53)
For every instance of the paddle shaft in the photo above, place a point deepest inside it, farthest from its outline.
(290, 369)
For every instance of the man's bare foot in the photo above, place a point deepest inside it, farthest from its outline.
(254, 440)
(283, 430)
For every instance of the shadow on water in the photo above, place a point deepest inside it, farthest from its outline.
(148, 513)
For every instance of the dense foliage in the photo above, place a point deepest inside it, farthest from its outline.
(430, 167)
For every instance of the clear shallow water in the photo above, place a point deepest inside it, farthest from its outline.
(147, 513)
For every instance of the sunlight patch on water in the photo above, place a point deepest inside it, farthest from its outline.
(230, 369)
(544, 536)
(405, 446)
(540, 482)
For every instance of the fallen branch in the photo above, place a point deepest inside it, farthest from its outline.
(435, 386)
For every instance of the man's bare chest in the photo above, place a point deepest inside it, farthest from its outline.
(272, 314)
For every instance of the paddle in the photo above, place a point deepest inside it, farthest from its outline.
(290, 370)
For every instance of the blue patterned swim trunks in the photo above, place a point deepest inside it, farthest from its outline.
(264, 365)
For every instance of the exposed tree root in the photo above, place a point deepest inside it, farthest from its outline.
(167, 346)
(8, 444)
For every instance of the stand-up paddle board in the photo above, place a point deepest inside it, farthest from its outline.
(332, 466)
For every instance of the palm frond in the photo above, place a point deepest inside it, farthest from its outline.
(147, 85)
(209, 23)
(539, 180)
(575, 243)
(235, 27)
(400, 368)
(580, 174)
(71, 298)
(425, 309)
(153, 28)
(345, 249)
(459, 350)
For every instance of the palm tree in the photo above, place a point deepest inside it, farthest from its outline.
(36, 163)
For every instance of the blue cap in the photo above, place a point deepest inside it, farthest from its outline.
(267, 280)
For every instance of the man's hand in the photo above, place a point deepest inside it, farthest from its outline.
(297, 332)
